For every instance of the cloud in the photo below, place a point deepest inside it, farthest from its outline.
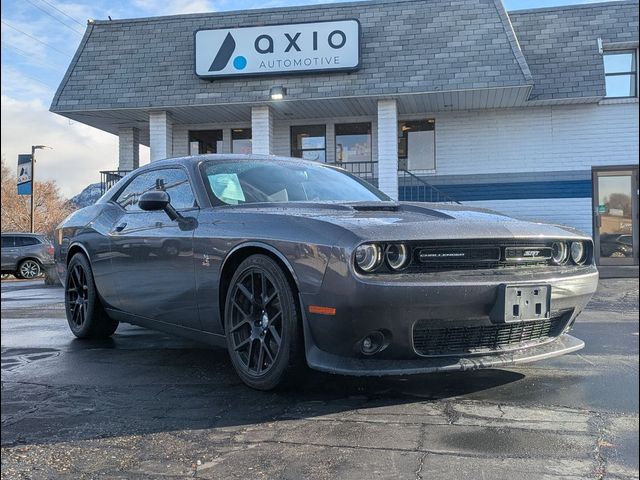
(79, 151)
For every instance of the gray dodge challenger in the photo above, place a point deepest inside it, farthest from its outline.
(288, 263)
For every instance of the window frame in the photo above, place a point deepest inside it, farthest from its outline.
(336, 135)
(401, 137)
(301, 151)
(13, 243)
(113, 198)
(632, 73)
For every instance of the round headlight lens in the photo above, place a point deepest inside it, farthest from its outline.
(397, 255)
(578, 252)
(368, 256)
(560, 253)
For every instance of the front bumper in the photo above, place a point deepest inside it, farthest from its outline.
(443, 300)
(373, 367)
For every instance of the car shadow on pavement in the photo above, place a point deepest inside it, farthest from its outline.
(142, 382)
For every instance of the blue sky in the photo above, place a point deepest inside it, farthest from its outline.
(39, 38)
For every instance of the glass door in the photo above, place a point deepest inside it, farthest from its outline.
(615, 195)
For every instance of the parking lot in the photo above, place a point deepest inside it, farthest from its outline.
(145, 405)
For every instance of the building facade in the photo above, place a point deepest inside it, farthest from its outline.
(532, 113)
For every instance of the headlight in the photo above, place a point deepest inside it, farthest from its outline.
(578, 252)
(397, 255)
(560, 253)
(368, 256)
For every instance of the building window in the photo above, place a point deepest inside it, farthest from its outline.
(205, 141)
(241, 140)
(353, 142)
(309, 142)
(620, 72)
(417, 144)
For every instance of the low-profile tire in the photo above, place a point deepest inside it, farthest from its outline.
(262, 325)
(85, 313)
(28, 269)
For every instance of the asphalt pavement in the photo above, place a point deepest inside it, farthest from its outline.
(146, 405)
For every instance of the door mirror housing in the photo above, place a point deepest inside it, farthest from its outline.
(154, 200)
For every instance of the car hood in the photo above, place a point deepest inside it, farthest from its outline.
(389, 221)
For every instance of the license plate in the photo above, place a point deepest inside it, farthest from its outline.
(517, 303)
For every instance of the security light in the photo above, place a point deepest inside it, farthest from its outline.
(277, 93)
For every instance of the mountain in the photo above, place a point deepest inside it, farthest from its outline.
(88, 196)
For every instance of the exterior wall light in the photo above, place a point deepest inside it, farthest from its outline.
(277, 93)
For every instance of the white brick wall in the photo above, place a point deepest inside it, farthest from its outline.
(574, 212)
(160, 135)
(262, 130)
(388, 147)
(129, 148)
(535, 139)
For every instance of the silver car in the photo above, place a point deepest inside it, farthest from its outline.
(26, 255)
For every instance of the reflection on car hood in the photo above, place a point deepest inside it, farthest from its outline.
(414, 221)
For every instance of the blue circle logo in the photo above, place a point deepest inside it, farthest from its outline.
(239, 62)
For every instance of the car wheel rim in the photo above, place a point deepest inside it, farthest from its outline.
(77, 295)
(256, 322)
(29, 269)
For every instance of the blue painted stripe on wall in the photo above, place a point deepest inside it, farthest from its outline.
(509, 191)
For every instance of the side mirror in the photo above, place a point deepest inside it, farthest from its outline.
(154, 200)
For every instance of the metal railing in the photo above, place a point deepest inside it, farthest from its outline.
(412, 188)
(367, 171)
(108, 178)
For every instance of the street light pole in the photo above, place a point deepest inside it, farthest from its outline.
(33, 182)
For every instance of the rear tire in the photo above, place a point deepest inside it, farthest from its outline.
(85, 313)
(262, 325)
(28, 269)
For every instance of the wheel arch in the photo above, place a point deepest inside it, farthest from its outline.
(76, 248)
(238, 254)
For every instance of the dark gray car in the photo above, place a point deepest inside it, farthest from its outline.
(287, 262)
(26, 255)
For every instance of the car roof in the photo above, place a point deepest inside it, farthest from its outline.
(194, 159)
(24, 234)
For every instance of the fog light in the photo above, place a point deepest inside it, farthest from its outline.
(372, 343)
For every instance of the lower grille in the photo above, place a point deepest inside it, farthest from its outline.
(480, 339)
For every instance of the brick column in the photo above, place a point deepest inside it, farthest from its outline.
(129, 148)
(388, 147)
(160, 135)
(262, 130)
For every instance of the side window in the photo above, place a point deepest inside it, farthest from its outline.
(172, 180)
(8, 242)
(26, 241)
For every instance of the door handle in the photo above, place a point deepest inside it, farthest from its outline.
(121, 227)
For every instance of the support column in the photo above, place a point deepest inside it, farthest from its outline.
(129, 148)
(262, 130)
(388, 147)
(160, 135)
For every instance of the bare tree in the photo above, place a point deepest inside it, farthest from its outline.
(50, 206)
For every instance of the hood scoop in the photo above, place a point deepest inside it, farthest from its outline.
(375, 207)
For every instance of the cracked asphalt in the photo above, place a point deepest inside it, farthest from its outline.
(145, 405)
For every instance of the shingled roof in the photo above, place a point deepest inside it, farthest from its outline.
(408, 46)
(561, 45)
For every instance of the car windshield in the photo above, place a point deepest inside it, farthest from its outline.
(258, 181)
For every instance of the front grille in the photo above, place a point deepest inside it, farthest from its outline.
(485, 338)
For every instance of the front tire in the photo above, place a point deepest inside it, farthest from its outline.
(262, 324)
(85, 314)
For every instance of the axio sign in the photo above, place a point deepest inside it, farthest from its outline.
(278, 49)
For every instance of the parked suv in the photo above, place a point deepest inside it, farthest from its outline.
(26, 255)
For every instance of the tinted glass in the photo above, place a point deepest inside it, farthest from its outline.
(26, 241)
(7, 242)
(205, 141)
(241, 140)
(241, 182)
(353, 142)
(172, 180)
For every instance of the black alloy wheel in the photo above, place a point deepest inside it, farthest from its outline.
(85, 314)
(262, 324)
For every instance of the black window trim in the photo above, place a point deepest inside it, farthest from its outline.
(302, 150)
(113, 197)
(634, 53)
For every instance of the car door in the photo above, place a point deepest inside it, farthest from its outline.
(152, 255)
(9, 254)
